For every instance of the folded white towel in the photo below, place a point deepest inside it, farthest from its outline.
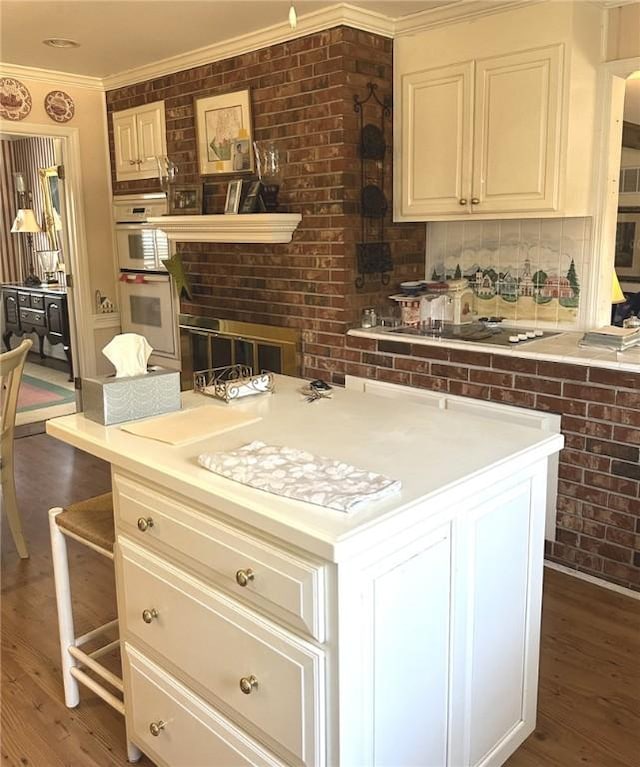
(300, 475)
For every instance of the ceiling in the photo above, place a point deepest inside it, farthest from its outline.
(119, 35)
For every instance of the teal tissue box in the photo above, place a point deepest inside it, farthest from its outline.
(109, 400)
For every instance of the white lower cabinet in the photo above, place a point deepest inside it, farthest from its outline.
(178, 729)
(430, 657)
(222, 648)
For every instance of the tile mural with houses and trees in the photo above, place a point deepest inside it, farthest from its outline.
(518, 269)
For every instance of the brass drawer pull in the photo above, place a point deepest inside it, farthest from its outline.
(463, 201)
(248, 683)
(155, 727)
(149, 615)
(475, 201)
(244, 576)
(145, 524)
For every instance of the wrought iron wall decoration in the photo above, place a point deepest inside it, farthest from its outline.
(374, 254)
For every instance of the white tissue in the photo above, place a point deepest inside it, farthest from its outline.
(129, 354)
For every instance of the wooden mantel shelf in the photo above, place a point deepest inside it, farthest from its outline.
(245, 228)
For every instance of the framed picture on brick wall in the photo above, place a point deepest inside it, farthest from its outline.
(224, 133)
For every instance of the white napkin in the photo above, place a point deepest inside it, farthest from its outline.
(129, 354)
(297, 474)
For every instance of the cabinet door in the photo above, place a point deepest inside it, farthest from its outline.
(56, 319)
(516, 164)
(126, 145)
(498, 591)
(437, 114)
(11, 312)
(152, 142)
(395, 659)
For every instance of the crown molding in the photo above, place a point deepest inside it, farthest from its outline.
(457, 10)
(340, 14)
(309, 23)
(51, 76)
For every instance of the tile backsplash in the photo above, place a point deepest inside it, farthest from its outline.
(529, 270)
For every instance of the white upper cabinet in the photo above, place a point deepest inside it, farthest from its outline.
(496, 117)
(442, 145)
(139, 136)
(517, 132)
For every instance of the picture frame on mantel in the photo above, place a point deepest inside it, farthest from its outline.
(185, 199)
(224, 133)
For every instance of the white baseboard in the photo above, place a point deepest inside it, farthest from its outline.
(592, 579)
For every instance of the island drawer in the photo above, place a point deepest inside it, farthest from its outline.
(32, 317)
(282, 584)
(262, 677)
(189, 731)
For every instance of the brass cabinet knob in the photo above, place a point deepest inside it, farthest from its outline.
(463, 201)
(244, 576)
(133, 162)
(155, 727)
(475, 201)
(145, 524)
(248, 683)
(149, 615)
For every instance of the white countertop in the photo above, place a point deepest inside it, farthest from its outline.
(441, 457)
(560, 348)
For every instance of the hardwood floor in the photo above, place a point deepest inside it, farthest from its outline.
(589, 707)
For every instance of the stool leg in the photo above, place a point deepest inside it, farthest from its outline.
(65, 612)
(133, 752)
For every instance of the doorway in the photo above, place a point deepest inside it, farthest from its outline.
(35, 261)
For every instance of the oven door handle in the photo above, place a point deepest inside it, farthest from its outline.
(143, 279)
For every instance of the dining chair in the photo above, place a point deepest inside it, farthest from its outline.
(11, 367)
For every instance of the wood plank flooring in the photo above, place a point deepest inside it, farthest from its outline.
(589, 706)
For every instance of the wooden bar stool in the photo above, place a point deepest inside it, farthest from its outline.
(89, 522)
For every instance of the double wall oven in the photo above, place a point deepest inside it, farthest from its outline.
(148, 302)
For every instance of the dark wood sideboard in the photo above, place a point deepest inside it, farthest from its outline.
(42, 310)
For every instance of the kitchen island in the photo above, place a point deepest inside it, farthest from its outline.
(284, 633)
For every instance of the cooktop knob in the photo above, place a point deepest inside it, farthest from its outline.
(513, 339)
(522, 336)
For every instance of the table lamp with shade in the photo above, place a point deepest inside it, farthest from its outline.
(26, 223)
(617, 296)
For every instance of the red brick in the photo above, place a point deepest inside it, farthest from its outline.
(614, 449)
(590, 428)
(622, 538)
(450, 371)
(492, 377)
(609, 516)
(411, 364)
(512, 397)
(617, 378)
(542, 385)
(394, 347)
(590, 393)
(572, 473)
(562, 370)
(465, 357)
(430, 352)
(624, 504)
(515, 364)
(560, 405)
(429, 382)
(393, 376)
(628, 436)
(585, 460)
(608, 482)
(629, 399)
(606, 550)
(464, 389)
(624, 469)
(381, 360)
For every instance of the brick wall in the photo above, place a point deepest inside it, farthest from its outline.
(598, 523)
(302, 97)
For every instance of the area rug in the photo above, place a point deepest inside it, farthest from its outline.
(35, 393)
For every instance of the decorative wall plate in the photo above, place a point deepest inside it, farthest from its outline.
(59, 106)
(15, 99)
